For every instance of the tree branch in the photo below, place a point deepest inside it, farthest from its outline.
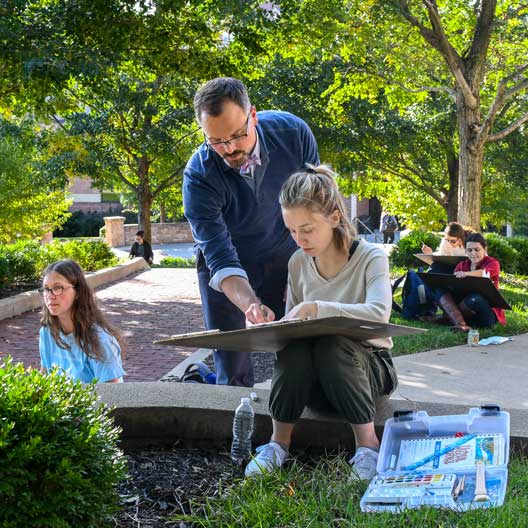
(125, 180)
(442, 89)
(438, 40)
(481, 40)
(508, 130)
(500, 99)
(454, 62)
(168, 181)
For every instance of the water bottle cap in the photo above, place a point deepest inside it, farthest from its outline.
(244, 401)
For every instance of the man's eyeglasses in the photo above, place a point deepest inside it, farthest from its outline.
(233, 139)
(452, 241)
(55, 290)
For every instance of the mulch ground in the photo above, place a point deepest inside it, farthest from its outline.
(162, 484)
(166, 483)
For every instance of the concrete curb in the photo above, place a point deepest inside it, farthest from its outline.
(162, 414)
(24, 302)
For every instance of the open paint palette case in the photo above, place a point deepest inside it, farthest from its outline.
(457, 462)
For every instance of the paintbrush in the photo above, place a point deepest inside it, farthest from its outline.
(481, 494)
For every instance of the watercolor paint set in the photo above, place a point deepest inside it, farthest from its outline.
(457, 461)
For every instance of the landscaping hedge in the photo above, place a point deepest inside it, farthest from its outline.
(59, 459)
(24, 261)
(403, 253)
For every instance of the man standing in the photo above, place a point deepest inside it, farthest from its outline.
(389, 225)
(230, 195)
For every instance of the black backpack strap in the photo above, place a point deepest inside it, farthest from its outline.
(395, 306)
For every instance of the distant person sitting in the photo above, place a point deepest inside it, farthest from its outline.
(141, 248)
(452, 244)
(474, 309)
(389, 225)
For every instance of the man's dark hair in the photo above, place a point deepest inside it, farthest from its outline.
(140, 233)
(210, 98)
(478, 238)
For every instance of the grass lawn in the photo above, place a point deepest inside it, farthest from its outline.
(322, 497)
(302, 495)
(513, 288)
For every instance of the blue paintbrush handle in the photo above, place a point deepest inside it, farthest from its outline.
(442, 451)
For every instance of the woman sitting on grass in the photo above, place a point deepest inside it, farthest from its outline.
(474, 309)
(74, 333)
(331, 274)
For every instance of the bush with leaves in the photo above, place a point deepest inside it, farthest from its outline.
(91, 255)
(20, 262)
(59, 460)
(403, 253)
(25, 261)
(520, 244)
(500, 248)
(178, 262)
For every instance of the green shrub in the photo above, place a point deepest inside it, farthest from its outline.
(520, 244)
(500, 248)
(403, 253)
(21, 262)
(178, 262)
(91, 255)
(59, 461)
(25, 261)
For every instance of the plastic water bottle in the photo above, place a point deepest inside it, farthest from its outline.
(242, 431)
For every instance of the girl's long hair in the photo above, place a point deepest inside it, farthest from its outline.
(86, 315)
(316, 189)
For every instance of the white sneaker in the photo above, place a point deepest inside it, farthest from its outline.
(364, 464)
(269, 457)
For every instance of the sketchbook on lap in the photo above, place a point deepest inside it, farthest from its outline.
(486, 447)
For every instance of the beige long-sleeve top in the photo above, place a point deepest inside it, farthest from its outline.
(362, 288)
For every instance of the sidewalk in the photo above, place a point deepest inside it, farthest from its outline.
(158, 303)
(154, 304)
(182, 250)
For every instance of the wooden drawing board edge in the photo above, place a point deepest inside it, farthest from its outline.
(429, 258)
(296, 323)
(424, 276)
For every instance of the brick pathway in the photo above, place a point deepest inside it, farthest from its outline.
(152, 305)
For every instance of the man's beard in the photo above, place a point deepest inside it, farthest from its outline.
(238, 162)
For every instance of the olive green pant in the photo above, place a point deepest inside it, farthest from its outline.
(330, 373)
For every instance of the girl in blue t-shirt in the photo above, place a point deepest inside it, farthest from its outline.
(74, 333)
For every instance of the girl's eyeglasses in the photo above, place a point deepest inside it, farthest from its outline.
(55, 290)
(452, 241)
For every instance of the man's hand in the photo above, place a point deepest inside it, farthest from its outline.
(303, 311)
(259, 313)
(460, 274)
(240, 293)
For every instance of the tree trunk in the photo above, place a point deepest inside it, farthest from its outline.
(163, 214)
(470, 166)
(452, 193)
(144, 198)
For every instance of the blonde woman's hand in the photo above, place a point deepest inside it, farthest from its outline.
(303, 311)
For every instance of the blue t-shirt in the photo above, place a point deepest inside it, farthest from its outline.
(75, 363)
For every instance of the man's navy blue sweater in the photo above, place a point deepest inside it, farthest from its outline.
(235, 226)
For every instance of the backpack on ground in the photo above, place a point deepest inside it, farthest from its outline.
(417, 297)
(198, 372)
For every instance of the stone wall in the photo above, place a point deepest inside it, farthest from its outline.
(119, 234)
(97, 207)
